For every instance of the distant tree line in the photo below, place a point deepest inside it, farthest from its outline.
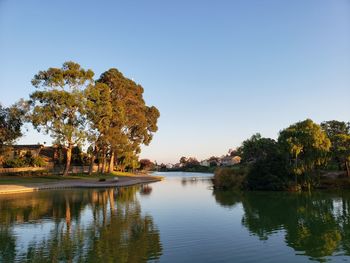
(295, 160)
(109, 114)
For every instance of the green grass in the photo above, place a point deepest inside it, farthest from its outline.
(124, 174)
(94, 176)
(14, 179)
(28, 179)
(36, 179)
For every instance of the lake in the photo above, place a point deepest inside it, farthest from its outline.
(180, 219)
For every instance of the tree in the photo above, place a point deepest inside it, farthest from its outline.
(213, 161)
(11, 121)
(58, 106)
(269, 173)
(192, 162)
(342, 150)
(339, 135)
(306, 146)
(183, 160)
(146, 164)
(132, 122)
(268, 169)
(99, 113)
(256, 148)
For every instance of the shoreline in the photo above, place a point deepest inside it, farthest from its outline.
(122, 181)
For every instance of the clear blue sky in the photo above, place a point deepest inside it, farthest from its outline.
(218, 71)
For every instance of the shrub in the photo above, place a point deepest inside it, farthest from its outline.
(27, 161)
(270, 173)
(38, 162)
(14, 163)
(229, 178)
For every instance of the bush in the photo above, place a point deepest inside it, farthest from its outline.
(26, 161)
(14, 163)
(270, 173)
(38, 162)
(229, 178)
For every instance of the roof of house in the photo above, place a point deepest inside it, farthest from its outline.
(28, 146)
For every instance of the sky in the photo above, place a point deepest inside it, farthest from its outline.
(218, 71)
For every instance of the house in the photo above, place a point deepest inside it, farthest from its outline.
(230, 160)
(178, 165)
(22, 150)
(205, 163)
(169, 166)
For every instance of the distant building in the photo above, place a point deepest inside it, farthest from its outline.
(178, 165)
(230, 160)
(205, 163)
(169, 165)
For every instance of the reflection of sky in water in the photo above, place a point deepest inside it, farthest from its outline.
(40, 230)
(29, 232)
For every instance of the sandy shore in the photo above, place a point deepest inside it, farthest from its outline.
(122, 181)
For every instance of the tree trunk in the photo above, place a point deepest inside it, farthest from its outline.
(347, 168)
(99, 166)
(104, 165)
(68, 159)
(103, 160)
(92, 161)
(111, 163)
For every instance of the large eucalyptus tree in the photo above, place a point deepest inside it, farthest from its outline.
(58, 105)
(132, 122)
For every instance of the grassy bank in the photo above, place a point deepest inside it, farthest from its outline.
(43, 179)
(36, 179)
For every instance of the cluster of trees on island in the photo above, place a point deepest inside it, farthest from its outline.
(109, 114)
(296, 160)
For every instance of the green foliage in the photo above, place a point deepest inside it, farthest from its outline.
(58, 106)
(188, 163)
(229, 178)
(119, 118)
(268, 169)
(256, 148)
(306, 146)
(14, 163)
(302, 149)
(131, 119)
(339, 135)
(269, 173)
(28, 160)
(11, 121)
(146, 164)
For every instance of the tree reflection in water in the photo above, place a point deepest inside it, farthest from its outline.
(116, 232)
(146, 189)
(316, 225)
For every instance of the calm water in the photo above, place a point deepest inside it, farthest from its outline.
(180, 219)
